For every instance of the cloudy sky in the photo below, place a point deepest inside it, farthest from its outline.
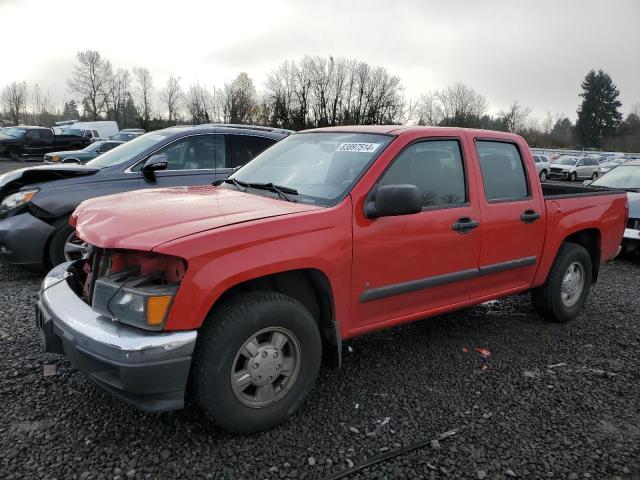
(536, 51)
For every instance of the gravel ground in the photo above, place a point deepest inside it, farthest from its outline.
(550, 401)
(518, 416)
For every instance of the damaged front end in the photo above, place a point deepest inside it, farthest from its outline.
(131, 287)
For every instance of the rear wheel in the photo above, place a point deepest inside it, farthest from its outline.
(543, 176)
(567, 287)
(257, 359)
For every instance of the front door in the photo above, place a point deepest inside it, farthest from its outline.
(410, 265)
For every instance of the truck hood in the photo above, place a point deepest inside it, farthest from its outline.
(142, 220)
(15, 180)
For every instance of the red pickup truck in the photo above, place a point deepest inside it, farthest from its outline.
(240, 289)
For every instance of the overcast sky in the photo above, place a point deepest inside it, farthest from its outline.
(535, 51)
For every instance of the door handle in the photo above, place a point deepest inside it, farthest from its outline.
(529, 216)
(464, 224)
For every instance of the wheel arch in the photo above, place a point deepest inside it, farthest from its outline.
(312, 288)
(588, 238)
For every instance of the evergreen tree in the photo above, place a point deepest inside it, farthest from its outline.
(70, 111)
(598, 116)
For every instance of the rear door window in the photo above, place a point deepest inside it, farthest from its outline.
(243, 148)
(503, 172)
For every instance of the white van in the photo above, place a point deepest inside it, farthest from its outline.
(105, 128)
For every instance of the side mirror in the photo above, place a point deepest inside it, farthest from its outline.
(155, 163)
(392, 200)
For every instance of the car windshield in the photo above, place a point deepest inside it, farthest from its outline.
(73, 131)
(127, 151)
(122, 136)
(567, 161)
(623, 176)
(14, 132)
(93, 147)
(321, 166)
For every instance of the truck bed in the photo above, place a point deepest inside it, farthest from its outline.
(552, 191)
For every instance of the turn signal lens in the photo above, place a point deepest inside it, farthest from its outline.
(157, 308)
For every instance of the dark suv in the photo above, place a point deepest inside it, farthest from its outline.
(35, 203)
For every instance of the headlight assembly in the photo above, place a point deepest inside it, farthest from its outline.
(16, 199)
(138, 300)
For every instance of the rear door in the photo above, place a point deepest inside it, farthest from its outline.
(513, 223)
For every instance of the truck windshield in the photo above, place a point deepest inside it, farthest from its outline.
(624, 177)
(128, 151)
(14, 132)
(320, 166)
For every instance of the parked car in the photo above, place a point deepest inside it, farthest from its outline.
(17, 142)
(574, 168)
(126, 136)
(82, 156)
(606, 166)
(332, 233)
(100, 129)
(36, 202)
(542, 166)
(625, 177)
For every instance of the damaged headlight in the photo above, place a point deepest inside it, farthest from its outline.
(16, 199)
(139, 300)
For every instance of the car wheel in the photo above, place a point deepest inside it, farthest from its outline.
(565, 292)
(573, 177)
(543, 176)
(594, 176)
(256, 361)
(64, 245)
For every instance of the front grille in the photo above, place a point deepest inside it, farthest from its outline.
(556, 170)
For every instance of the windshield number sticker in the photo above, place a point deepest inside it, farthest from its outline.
(358, 147)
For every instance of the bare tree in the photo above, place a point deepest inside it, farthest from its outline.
(119, 92)
(239, 100)
(91, 78)
(516, 117)
(171, 96)
(14, 100)
(200, 104)
(456, 105)
(635, 109)
(144, 92)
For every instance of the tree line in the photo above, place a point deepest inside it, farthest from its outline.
(314, 91)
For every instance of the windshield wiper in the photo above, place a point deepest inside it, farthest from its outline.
(238, 184)
(279, 189)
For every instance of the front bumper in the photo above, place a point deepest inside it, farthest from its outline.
(631, 240)
(147, 369)
(23, 238)
(563, 174)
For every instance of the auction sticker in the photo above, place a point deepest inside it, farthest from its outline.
(358, 147)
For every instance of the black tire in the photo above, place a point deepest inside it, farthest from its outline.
(225, 332)
(547, 299)
(573, 177)
(594, 176)
(543, 176)
(55, 250)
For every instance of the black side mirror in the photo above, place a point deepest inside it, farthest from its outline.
(391, 200)
(155, 163)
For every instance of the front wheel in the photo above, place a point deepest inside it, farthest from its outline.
(594, 176)
(543, 176)
(573, 177)
(256, 361)
(567, 287)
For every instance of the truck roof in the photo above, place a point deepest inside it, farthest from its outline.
(397, 130)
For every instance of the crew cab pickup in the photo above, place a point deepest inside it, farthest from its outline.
(243, 287)
(16, 142)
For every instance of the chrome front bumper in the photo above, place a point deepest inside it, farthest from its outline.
(148, 369)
